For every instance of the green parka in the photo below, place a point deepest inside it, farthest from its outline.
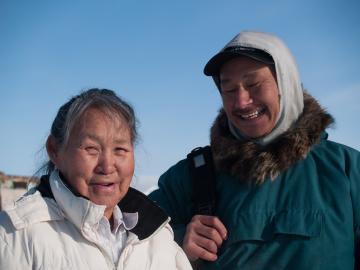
(292, 204)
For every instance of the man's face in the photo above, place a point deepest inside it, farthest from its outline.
(250, 96)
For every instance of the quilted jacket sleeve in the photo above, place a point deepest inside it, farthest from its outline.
(14, 253)
(182, 262)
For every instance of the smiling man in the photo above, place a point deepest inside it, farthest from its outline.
(286, 196)
(250, 96)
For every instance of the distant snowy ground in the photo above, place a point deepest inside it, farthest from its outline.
(145, 184)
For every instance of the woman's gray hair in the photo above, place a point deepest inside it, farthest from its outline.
(70, 113)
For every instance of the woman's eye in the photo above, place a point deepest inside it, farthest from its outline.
(120, 150)
(92, 150)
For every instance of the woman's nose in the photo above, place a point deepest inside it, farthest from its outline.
(106, 163)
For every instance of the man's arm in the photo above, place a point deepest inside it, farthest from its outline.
(174, 197)
(354, 176)
(200, 236)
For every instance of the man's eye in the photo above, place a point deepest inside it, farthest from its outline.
(229, 91)
(253, 84)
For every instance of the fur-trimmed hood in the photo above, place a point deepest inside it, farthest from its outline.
(252, 162)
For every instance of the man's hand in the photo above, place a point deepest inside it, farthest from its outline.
(204, 235)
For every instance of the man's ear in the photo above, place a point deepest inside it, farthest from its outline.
(52, 149)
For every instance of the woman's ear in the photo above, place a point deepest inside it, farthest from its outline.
(52, 149)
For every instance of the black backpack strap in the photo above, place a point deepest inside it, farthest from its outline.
(202, 174)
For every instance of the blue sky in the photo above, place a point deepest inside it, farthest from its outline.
(152, 53)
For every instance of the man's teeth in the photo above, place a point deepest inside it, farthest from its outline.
(250, 115)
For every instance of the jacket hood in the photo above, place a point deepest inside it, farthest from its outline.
(251, 162)
(287, 75)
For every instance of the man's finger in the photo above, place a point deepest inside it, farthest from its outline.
(195, 251)
(214, 222)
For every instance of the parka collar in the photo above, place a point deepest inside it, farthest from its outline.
(251, 162)
(84, 214)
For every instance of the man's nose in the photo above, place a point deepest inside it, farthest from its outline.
(242, 98)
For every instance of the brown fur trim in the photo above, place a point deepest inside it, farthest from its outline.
(252, 162)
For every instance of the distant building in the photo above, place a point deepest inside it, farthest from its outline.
(12, 187)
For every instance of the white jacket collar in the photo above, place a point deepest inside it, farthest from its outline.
(83, 213)
(52, 200)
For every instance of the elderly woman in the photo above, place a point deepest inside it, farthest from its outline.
(83, 215)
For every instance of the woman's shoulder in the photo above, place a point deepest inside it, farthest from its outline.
(163, 241)
(29, 209)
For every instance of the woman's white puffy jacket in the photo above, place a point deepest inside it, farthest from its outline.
(39, 232)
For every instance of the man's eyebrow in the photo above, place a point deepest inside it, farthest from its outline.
(247, 75)
(224, 80)
(251, 74)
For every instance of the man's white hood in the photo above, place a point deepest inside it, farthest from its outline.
(288, 79)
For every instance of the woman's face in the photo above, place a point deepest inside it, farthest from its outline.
(98, 161)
